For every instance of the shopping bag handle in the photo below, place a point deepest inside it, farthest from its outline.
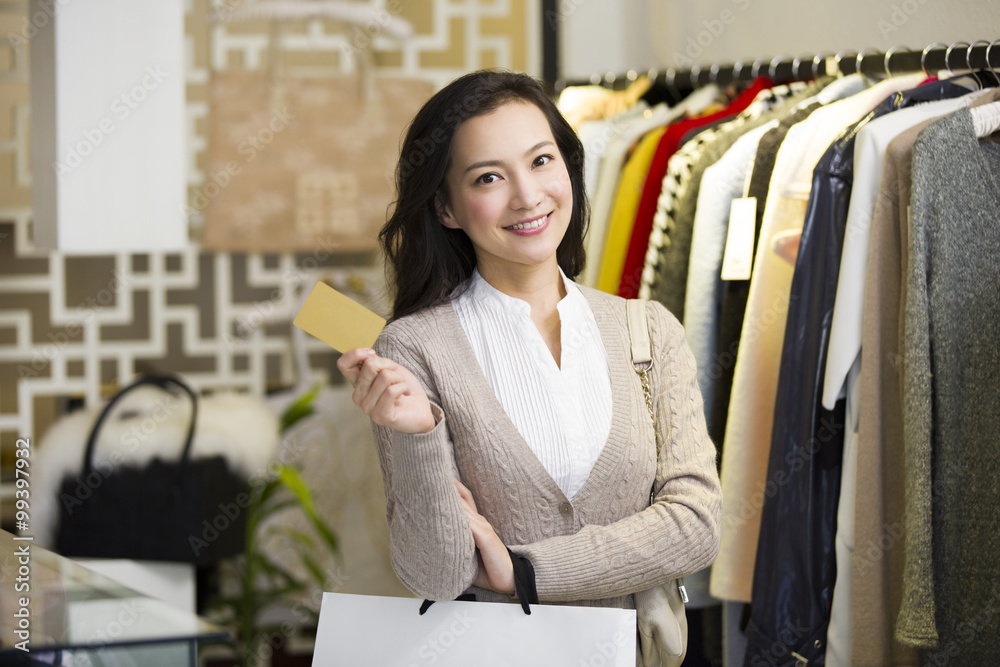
(524, 581)
(524, 585)
(161, 381)
(464, 597)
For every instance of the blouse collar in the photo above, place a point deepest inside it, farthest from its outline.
(570, 306)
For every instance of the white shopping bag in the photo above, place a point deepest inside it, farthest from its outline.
(368, 630)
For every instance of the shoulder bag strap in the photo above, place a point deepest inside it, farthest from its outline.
(642, 361)
(642, 352)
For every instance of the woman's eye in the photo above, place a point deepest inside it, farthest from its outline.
(486, 179)
(542, 160)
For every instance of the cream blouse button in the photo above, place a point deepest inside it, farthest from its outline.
(565, 509)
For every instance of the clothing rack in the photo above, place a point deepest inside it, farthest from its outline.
(959, 56)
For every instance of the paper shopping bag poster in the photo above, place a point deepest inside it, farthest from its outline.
(297, 164)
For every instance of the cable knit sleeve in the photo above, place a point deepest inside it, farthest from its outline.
(431, 544)
(675, 536)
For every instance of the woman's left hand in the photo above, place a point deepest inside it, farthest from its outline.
(496, 572)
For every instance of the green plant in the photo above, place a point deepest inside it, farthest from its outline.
(263, 582)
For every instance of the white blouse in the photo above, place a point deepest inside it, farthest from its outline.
(563, 413)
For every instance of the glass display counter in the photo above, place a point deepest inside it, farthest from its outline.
(54, 611)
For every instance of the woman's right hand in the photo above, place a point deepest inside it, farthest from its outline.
(388, 393)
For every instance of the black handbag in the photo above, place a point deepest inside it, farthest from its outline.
(188, 510)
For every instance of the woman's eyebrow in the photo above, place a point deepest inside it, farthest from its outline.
(499, 163)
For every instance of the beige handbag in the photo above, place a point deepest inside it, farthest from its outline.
(659, 611)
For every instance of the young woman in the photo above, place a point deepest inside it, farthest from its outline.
(511, 425)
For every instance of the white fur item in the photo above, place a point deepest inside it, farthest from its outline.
(146, 424)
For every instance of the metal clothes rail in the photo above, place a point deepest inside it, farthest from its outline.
(959, 56)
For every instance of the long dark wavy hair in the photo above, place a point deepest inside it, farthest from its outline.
(426, 260)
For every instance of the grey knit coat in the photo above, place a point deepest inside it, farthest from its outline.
(951, 399)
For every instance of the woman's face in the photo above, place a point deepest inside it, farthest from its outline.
(509, 189)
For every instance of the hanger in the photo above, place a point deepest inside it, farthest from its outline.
(355, 13)
(662, 94)
(661, 88)
(796, 64)
(817, 59)
(968, 60)
(670, 82)
(888, 58)
(696, 71)
(928, 49)
(947, 59)
(986, 119)
(737, 68)
(947, 55)
(992, 69)
(772, 68)
(859, 60)
(837, 58)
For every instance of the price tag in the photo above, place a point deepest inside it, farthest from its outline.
(737, 262)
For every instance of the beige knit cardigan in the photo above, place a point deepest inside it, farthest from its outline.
(596, 550)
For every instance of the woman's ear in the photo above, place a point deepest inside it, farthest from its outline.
(443, 212)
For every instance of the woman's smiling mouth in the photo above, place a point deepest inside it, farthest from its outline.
(531, 226)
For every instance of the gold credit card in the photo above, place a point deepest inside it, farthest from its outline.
(337, 320)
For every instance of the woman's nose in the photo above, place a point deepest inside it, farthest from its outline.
(527, 193)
